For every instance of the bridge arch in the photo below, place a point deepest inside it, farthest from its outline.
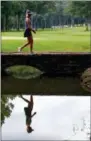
(60, 63)
(23, 71)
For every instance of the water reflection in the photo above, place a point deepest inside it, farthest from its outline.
(24, 79)
(55, 118)
(28, 113)
(44, 84)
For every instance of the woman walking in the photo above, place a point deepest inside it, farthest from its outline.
(28, 32)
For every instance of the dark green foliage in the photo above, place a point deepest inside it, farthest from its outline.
(45, 13)
(13, 13)
(81, 8)
(6, 106)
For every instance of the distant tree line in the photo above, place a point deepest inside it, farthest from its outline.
(45, 14)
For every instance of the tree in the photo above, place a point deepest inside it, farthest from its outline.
(43, 8)
(83, 9)
(18, 10)
(6, 107)
(6, 8)
(45, 13)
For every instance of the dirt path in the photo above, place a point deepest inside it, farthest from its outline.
(19, 38)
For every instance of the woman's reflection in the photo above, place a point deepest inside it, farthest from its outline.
(28, 113)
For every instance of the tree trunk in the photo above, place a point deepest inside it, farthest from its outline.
(40, 22)
(72, 22)
(18, 22)
(59, 20)
(6, 22)
(51, 22)
(86, 25)
(35, 22)
(45, 22)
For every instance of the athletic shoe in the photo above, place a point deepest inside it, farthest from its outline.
(19, 49)
(32, 53)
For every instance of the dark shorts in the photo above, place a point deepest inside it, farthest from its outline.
(27, 111)
(27, 33)
(28, 115)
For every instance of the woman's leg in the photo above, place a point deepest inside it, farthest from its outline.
(24, 45)
(31, 101)
(30, 40)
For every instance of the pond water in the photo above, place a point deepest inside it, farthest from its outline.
(30, 80)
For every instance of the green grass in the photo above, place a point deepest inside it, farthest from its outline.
(65, 40)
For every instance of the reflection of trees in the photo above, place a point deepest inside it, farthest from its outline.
(6, 106)
(85, 128)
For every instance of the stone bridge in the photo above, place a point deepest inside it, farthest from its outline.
(54, 63)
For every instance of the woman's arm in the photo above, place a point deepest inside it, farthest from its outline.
(33, 114)
(24, 99)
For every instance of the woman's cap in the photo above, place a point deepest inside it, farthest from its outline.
(28, 12)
